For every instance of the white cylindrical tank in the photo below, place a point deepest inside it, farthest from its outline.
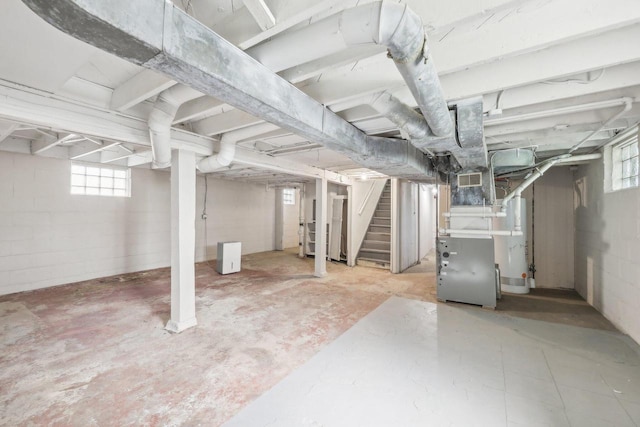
(511, 251)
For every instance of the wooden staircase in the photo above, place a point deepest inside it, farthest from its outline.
(376, 247)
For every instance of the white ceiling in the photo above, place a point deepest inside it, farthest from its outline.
(572, 61)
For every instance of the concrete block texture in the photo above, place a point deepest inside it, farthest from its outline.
(49, 237)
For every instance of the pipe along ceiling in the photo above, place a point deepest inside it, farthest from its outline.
(159, 36)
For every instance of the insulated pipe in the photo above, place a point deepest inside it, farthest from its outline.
(227, 152)
(160, 120)
(393, 25)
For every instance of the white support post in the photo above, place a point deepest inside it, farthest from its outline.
(321, 228)
(395, 226)
(183, 236)
(279, 220)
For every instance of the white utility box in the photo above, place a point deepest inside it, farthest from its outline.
(228, 259)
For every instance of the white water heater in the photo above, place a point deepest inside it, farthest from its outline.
(510, 251)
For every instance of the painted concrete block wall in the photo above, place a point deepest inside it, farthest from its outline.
(236, 211)
(50, 237)
(550, 224)
(607, 242)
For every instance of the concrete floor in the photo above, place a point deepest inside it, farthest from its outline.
(96, 352)
(412, 364)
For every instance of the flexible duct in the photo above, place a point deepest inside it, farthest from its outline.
(227, 152)
(392, 25)
(160, 120)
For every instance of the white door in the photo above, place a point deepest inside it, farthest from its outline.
(336, 229)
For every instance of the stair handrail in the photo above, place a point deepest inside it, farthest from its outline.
(366, 199)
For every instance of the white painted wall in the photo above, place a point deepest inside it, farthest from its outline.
(236, 211)
(49, 237)
(427, 209)
(607, 242)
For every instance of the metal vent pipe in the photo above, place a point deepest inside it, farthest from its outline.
(227, 152)
(393, 25)
(160, 120)
(159, 36)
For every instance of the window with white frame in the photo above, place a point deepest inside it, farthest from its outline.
(622, 165)
(629, 164)
(100, 181)
(289, 196)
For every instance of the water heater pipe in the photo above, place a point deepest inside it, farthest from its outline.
(628, 103)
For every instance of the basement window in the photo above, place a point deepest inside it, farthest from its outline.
(622, 162)
(289, 196)
(629, 163)
(470, 180)
(99, 181)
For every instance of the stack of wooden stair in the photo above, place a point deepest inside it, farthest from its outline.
(376, 247)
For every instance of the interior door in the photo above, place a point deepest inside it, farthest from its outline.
(336, 229)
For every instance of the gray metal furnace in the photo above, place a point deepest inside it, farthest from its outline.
(466, 271)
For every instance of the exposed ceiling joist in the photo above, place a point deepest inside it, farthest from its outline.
(6, 129)
(614, 48)
(142, 86)
(261, 13)
(492, 38)
(78, 152)
(46, 143)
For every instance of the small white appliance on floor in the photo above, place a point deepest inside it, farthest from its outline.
(228, 259)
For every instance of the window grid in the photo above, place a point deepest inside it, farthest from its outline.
(289, 196)
(99, 181)
(629, 160)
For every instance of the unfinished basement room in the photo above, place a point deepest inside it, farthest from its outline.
(324, 213)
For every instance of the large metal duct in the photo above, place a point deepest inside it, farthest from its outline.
(227, 152)
(393, 25)
(160, 120)
(159, 36)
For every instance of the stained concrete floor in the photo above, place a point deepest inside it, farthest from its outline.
(96, 352)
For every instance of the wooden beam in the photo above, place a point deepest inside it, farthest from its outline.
(45, 143)
(261, 13)
(86, 153)
(140, 87)
(6, 129)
